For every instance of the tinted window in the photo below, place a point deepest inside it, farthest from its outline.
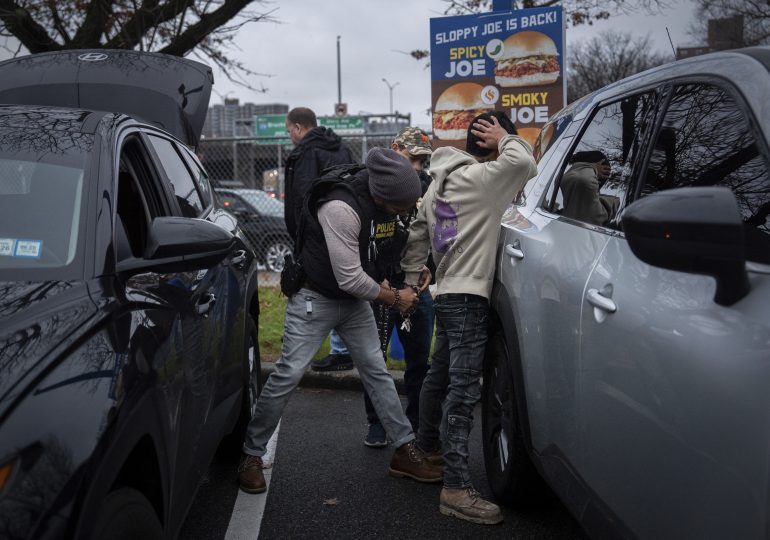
(182, 182)
(201, 178)
(707, 140)
(592, 190)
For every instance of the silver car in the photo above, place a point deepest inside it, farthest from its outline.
(629, 358)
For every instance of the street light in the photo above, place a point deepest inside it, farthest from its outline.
(390, 88)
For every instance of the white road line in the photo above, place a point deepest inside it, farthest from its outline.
(249, 509)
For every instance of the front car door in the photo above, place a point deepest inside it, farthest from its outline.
(546, 260)
(675, 411)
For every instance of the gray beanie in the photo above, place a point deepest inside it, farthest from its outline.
(391, 177)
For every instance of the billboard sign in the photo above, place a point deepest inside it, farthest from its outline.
(511, 61)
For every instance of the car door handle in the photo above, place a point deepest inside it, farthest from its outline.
(598, 300)
(205, 303)
(514, 250)
(238, 258)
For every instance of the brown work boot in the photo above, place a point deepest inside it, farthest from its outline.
(408, 460)
(466, 503)
(250, 476)
(435, 458)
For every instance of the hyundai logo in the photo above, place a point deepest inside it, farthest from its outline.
(92, 57)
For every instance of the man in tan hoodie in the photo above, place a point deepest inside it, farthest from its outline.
(459, 222)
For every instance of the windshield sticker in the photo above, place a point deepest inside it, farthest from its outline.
(29, 248)
(6, 246)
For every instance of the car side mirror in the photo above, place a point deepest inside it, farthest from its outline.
(698, 230)
(177, 244)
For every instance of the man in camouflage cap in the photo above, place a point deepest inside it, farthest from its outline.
(416, 335)
(414, 144)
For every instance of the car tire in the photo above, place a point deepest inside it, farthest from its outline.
(510, 472)
(275, 252)
(126, 514)
(232, 443)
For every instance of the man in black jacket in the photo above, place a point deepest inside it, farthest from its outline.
(316, 149)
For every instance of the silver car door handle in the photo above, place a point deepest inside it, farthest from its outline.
(238, 258)
(205, 303)
(598, 300)
(514, 250)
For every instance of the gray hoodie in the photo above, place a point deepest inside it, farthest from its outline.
(459, 218)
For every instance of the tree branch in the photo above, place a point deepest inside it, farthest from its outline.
(90, 32)
(20, 23)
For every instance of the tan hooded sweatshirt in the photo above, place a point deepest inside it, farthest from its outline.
(459, 219)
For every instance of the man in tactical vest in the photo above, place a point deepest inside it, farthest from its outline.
(339, 254)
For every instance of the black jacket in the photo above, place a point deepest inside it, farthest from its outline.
(319, 148)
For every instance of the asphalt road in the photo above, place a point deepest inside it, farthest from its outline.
(327, 484)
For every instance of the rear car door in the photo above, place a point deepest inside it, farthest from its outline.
(673, 387)
(546, 260)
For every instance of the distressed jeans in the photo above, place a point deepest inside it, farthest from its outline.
(310, 317)
(416, 345)
(452, 386)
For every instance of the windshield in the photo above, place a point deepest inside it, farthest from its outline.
(41, 197)
(262, 202)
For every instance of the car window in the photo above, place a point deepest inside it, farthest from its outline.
(707, 140)
(200, 175)
(232, 202)
(181, 180)
(137, 203)
(596, 176)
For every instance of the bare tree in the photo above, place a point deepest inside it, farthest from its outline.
(606, 58)
(755, 14)
(204, 28)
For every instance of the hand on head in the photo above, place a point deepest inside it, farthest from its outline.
(490, 133)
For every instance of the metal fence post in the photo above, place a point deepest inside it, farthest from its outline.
(235, 160)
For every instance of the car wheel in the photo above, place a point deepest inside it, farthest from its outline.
(510, 472)
(275, 254)
(126, 514)
(232, 443)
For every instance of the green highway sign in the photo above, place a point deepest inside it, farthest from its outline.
(271, 125)
(343, 125)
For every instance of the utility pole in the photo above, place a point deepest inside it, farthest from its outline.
(339, 75)
(390, 88)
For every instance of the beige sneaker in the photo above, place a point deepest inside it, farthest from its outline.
(467, 504)
(250, 476)
(408, 460)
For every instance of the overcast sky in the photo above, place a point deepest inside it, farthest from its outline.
(300, 53)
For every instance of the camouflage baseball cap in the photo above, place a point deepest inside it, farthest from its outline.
(415, 140)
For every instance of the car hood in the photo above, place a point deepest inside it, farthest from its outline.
(168, 91)
(36, 317)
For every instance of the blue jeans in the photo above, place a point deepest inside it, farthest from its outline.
(336, 344)
(310, 317)
(452, 386)
(416, 350)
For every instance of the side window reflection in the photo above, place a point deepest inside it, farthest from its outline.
(598, 174)
(707, 140)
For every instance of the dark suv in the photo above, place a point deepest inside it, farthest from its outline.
(128, 297)
(261, 218)
(629, 364)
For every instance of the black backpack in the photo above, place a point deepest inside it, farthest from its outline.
(293, 275)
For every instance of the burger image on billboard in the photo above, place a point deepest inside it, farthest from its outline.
(529, 59)
(455, 108)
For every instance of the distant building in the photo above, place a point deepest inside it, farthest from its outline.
(232, 119)
(723, 34)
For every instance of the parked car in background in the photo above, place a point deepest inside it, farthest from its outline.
(128, 297)
(261, 218)
(629, 361)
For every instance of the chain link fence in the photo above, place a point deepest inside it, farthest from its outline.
(258, 162)
(248, 176)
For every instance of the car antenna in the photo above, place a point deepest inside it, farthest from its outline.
(672, 43)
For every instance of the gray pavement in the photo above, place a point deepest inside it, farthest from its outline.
(335, 380)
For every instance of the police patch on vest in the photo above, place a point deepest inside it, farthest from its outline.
(385, 230)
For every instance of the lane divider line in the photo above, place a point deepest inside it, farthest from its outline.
(249, 509)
